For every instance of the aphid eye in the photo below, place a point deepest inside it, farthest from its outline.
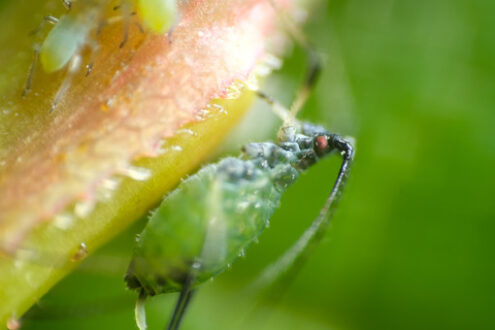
(321, 142)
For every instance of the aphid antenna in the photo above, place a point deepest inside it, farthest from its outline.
(283, 270)
(125, 18)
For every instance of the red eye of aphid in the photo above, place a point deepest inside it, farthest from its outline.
(321, 142)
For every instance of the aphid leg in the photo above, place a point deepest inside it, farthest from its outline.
(94, 52)
(313, 60)
(36, 53)
(72, 69)
(170, 34)
(278, 109)
(140, 312)
(182, 303)
(140, 27)
(46, 19)
(67, 4)
(125, 16)
(32, 68)
(286, 267)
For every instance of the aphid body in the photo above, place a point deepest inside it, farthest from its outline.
(208, 221)
(158, 15)
(70, 34)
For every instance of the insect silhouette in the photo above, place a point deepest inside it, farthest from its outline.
(204, 225)
(78, 29)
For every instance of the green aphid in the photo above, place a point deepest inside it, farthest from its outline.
(158, 15)
(63, 45)
(78, 29)
(214, 215)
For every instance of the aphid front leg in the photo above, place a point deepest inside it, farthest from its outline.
(36, 53)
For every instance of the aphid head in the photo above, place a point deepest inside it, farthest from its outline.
(326, 143)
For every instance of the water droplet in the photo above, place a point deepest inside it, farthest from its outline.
(13, 323)
(252, 82)
(272, 61)
(110, 184)
(63, 221)
(216, 107)
(80, 254)
(242, 253)
(83, 209)
(234, 90)
(186, 131)
(136, 173)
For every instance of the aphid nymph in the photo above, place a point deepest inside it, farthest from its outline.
(78, 28)
(158, 15)
(64, 43)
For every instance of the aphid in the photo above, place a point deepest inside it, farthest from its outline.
(78, 29)
(214, 215)
(63, 45)
(158, 15)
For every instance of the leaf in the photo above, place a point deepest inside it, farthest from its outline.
(58, 171)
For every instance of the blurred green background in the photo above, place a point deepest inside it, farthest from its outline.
(412, 244)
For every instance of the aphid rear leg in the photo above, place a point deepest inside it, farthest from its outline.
(185, 297)
(72, 69)
(32, 68)
(36, 53)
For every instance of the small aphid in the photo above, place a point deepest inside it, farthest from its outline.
(79, 28)
(63, 45)
(158, 15)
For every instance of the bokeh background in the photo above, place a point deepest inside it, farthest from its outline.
(412, 243)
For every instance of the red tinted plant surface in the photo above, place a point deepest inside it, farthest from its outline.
(60, 164)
